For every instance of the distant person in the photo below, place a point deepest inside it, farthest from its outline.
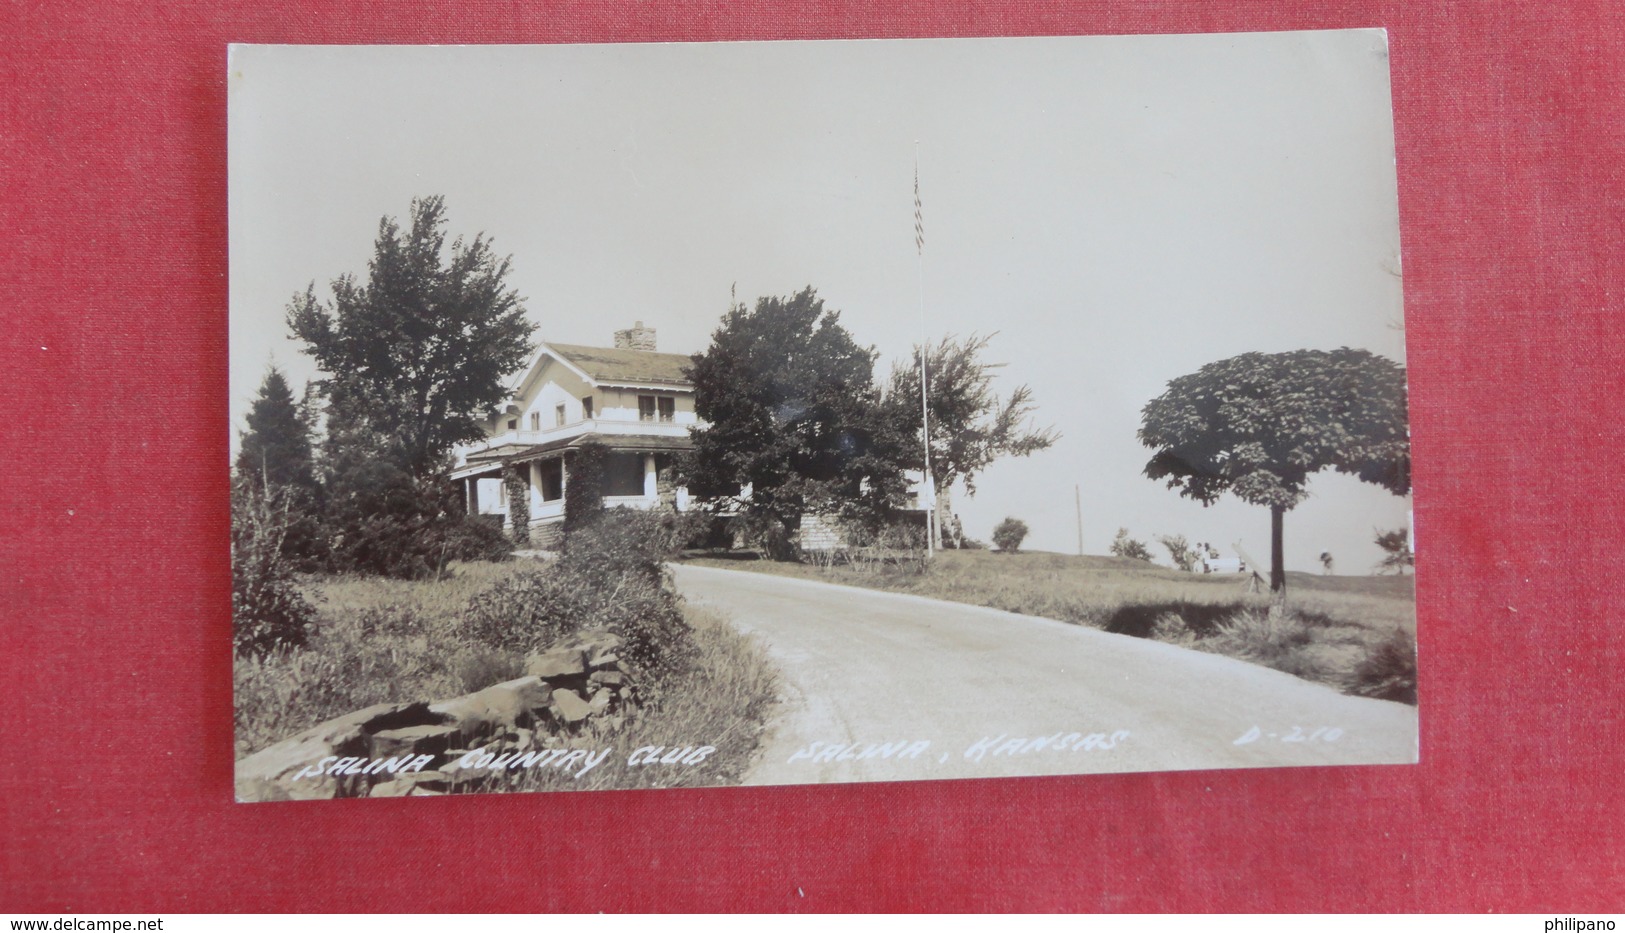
(1326, 562)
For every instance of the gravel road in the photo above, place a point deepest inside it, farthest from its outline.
(884, 687)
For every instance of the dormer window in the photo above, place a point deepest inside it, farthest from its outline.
(558, 416)
(535, 421)
(513, 424)
(586, 408)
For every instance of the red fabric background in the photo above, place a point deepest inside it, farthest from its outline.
(116, 792)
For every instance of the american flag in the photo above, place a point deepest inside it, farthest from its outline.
(919, 220)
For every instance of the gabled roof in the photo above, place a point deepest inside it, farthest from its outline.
(625, 367)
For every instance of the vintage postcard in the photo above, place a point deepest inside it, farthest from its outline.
(626, 416)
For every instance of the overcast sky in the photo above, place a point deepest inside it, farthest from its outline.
(1120, 210)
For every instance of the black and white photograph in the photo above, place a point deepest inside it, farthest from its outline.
(804, 412)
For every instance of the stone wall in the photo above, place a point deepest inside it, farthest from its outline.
(819, 533)
(414, 749)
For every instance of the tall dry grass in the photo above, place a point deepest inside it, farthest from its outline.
(376, 640)
(381, 640)
(720, 694)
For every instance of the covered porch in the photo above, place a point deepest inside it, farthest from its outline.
(637, 473)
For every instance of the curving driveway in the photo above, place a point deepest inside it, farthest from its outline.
(884, 687)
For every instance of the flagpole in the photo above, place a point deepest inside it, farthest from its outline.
(930, 488)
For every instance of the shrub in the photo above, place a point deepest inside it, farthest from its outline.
(1388, 672)
(1277, 638)
(478, 667)
(527, 611)
(267, 610)
(1147, 619)
(766, 534)
(1124, 546)
(474, 538)
(1179, 551)
(1172, 628)
(385, 520)
(1008, 535)
(624, 541)
(610, 577)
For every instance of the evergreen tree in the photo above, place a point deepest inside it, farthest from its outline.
(275, 463)
(275, 448)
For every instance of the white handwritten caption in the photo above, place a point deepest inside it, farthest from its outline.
(1296, 734)
(986, 747)
(576, 760)
(580, 761)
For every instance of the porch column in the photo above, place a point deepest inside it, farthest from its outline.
(651, 483)
(535, 486)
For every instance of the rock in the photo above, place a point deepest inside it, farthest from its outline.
(267, 774)
(571, 708)
(500, 708)
(430, 780)
(504, 717)
(417, 740)
(600, 639)
(560, 662)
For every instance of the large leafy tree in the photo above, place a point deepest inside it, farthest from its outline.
(419, 351)
(1259, 425)
(793, 414)
(971, 426)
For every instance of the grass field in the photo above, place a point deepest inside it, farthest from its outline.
(380, 640)
(1356, 634)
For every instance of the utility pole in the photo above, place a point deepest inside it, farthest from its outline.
(1077, 496)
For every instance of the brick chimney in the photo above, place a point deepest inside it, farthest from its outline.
(637, 337)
